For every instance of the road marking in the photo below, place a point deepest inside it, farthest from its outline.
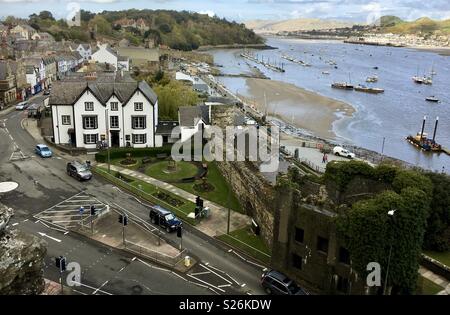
(10, 137)
(100, 287)
(14, 224)
(50, 237)
(216, 273)
(207, 283)
(224, 286)
(88, 286)
(200, 273)
(37, 221)
(151, 266)
(25, 220)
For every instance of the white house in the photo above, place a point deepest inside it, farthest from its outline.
(115, 109)
(85, 50)
(106, 55)
(193, 119)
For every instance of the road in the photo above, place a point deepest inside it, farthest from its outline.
(43, 183)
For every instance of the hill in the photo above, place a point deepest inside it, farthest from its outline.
(273, 27)
(424, 25)
(179, 30)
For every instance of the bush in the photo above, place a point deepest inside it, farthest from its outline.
(410, 178)
(343, 172)
(102, 156)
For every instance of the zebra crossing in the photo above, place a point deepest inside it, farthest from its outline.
(67, 214)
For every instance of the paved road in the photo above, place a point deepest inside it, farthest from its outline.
(43, 183)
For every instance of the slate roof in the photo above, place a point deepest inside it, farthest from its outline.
(68, 91)
(165, 127)
(190, 115)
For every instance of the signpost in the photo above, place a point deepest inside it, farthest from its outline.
(81, 215)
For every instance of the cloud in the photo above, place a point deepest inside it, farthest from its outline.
(208, 12)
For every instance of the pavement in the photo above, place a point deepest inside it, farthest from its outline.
(440, 281)
(43, 183)
(212, 226)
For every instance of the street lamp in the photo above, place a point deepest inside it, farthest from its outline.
(391, 214)
(107, 138)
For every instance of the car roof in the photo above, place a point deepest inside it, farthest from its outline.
(161, 210)
(279, 276)
(42, 146)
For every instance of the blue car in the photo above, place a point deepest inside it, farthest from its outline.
(43, 151)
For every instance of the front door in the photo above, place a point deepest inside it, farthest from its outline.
(115, 138)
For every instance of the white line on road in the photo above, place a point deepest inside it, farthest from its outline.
(25, 220)
(224, 285)
(88, 286)
(200, 273)
(215, 273)
(14, 224)
(10, 137)
(208, 284)
(100, 287)
(50, 237)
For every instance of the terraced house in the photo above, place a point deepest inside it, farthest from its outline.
(111, 108)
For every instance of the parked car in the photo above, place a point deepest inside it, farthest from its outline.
(340, 151)
(276, 283)
(47, 92)
(43, 151)
(22, 105)
(79, 170)
(164, 218)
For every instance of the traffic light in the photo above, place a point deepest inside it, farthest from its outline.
(200, 203)
(197, 201)
(93, 210)
(197, 211)
(179, 231)
(61, 263)
(123, 219)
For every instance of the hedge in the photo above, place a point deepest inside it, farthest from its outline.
(117, 153)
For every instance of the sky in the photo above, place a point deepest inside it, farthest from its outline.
(242, 10)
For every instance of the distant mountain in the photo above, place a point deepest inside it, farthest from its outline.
(272, 27)
(424, 25)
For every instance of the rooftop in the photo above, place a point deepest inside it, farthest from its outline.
(190, 115)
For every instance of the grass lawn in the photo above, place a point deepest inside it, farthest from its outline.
(220, 194)
(147, 194)
(248, 242)
(428, 287)
(442, 257)
(158, 170)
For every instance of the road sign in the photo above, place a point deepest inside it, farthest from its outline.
(81, 210)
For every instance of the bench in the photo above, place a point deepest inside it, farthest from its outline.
(146, 160)
(161, 156)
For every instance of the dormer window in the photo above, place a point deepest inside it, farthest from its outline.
(89, 106)
(114, 106)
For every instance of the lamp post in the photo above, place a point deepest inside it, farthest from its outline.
(391, 214)
(107, 139)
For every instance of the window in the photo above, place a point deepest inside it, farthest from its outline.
(138, 122)
(297, 261)
(342, 284)
(89, 106)
(90, 139)
(114, 106)
(114, 121)
(299, 235)
(344, 256)
(139, 106)
(90, 122)
(140, 139)
(127, 137)
(65, 119)
(322, 244)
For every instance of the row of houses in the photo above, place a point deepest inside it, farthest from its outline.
(22, 78)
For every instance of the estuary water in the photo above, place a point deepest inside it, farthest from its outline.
(391, 116)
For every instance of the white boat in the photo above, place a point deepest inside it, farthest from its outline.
(372, 79)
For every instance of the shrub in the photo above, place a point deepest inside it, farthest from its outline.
(102, 156)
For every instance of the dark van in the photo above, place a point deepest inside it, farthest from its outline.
(276, 283)
(164, 218)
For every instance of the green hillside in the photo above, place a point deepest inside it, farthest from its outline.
(392, 24)
(179, 30)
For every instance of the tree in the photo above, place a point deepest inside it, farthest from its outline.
(369, 232)
(46, 15)
(101, 24)
(172, 96)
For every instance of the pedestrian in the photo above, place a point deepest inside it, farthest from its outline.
(323, 158)
(326, 158)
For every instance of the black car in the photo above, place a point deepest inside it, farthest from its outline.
(276, 283)
(79, 170)
(164, 218)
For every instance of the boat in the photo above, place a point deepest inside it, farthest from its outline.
(342, 86)
(326, 72)
(421, 140)
(376, 68)
(432, 99)
(372, 79)
(417, 79)
(362, 88)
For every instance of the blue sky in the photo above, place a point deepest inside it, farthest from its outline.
(241, 10)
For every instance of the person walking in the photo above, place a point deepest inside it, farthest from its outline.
(326, 158)
(323, 158)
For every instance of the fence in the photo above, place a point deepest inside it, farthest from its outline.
(158, 257)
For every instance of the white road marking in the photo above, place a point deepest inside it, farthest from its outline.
(200, 273)
(100, 287)
(25, 220)
(10, 137)
(50, 237)
(88, 286)
(14, 224)
(207, 283)
(224, 286)
(216, 273)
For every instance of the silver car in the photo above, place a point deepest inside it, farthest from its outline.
(79, 170)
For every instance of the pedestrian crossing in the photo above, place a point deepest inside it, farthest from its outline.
(67, 214)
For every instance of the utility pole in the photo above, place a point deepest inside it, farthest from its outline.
(107, 138)
(382, 148)
(391, 214)
(228, 204)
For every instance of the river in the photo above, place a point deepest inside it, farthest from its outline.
(391, 116)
